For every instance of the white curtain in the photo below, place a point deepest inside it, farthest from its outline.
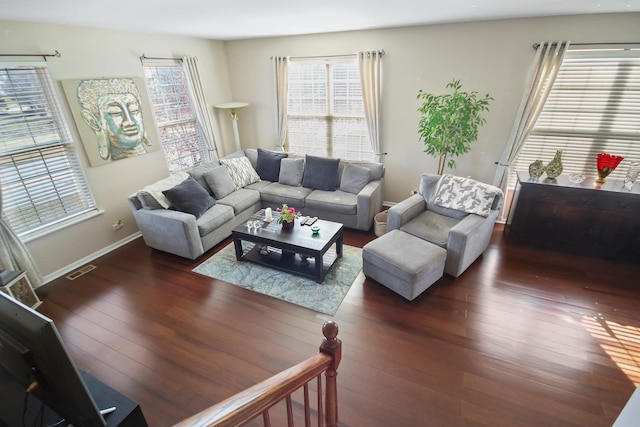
(370, 64)
(14, 255)
(281, 75)
(191, 67)
(545, 68)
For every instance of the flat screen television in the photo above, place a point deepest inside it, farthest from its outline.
(36, 359)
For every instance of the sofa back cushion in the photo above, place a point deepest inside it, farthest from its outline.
(198, 172)
(320, 173)
(268, 164)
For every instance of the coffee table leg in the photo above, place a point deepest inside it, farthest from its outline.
(339, 246)
(319, 269)
(237, 243)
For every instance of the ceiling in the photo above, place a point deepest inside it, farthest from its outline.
(241, 19)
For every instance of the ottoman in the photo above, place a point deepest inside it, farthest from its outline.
(403, 263)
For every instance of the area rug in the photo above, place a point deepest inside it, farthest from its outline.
(323, 297)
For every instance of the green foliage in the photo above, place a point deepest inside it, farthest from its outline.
(450, 122)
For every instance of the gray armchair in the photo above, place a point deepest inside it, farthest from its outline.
(464, 236)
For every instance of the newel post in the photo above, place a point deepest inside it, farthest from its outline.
(331, 346)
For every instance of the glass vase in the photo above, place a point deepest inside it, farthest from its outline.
(632, 175)
(606, 164)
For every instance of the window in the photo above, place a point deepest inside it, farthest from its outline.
(593, 107)
(181, 134)
(43, 183)
(325, 111)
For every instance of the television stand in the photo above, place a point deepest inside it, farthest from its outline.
(127, 413)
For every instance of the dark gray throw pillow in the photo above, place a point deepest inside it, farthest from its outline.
(189, 197)
(268, 164)
(320, 173)
(354, 178)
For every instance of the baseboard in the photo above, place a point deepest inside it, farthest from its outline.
(71, 267)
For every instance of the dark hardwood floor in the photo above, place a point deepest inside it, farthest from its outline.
(525, 337)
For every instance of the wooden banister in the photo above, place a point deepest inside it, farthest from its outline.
(256, 400)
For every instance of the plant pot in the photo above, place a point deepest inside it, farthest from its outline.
(287, 225)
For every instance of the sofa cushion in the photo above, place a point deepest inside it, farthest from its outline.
(377, 169)
(431, 226)
(252, 155)
(198, 172)
(276, 194)
(320, 173)
(241, 171)
(189, 197)
(214, 218)
(291, 171)
(220, 181)
(465, 194)
(354, 178)
(241, 199)
(333, 201)
(151, 196)
(268, 164)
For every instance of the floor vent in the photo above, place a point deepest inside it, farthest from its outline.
(81, 271)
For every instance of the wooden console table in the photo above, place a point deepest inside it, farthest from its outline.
(586, 218)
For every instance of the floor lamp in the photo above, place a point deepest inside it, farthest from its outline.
(233, 108)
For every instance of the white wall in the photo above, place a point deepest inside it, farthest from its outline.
(489, 57)
(93, 53)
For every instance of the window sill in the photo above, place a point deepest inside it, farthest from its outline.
(58, 226)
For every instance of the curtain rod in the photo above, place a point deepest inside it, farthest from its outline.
(143, 57)
(346, 55)
(535, 46)
(43, 55)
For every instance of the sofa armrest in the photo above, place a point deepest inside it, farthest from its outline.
(369, 203)
(170, 231)
(467, 241)
(402, 212)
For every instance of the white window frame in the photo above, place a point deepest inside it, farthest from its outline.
(325, 114)
(44, 187)
(180, 131)
(593, 107)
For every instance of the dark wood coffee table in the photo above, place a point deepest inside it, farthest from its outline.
(296, 250)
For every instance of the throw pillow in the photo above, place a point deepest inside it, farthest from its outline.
(241, 171)
(189, 197)
(151, 196)
(354, 178)
(198, 172)
(320, 173)
(220, 181)
(465, 194)
(268, 164)
(291, 171)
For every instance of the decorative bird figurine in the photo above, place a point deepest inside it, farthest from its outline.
(554, 168)
(536, 169)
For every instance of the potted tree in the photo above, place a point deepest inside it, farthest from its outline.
(450, 122)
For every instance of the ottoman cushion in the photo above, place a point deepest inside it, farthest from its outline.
(403, 263)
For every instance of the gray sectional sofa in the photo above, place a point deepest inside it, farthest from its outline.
(190, 212)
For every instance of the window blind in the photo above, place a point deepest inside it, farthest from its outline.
(42, 180)
(325, 110)
(593, 107)
(180, 132)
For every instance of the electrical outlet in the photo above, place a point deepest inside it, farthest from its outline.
(118, 225)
